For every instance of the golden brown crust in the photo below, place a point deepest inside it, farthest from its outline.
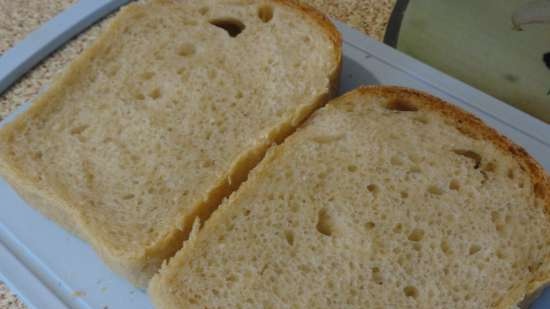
(138, 267)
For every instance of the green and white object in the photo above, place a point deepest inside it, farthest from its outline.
(479, 43)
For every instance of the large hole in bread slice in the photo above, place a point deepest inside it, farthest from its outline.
(232, 26)
(265, 13)
(325, 225)
(476, 157)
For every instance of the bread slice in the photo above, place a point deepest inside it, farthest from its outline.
(164, 116)
(385, 198)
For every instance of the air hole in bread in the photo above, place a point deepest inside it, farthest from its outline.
(128, 196)
(508, 219)
(401, 105)
(500, 254)
(352, 168)
(88, 175)
(446, 248)
(231, 278)
(474, 249)
(113, 70)
(159, 56)
(454, 185)
(393, 136)
(372, 188)
(304, 269)
(37, 155)
(476, 157)
(204, 10)
(186, 50)
(147, 75)
(398, 228)
(490, 167)
(370, 225)
(401, 260)
(189, 22)
(410, 291)
(232, 26)
(415, 158)
(510, 174)
(533, 268)
(207, 163)
(184, 75)
(139, 96)
(377, 276)
(325, 139)
(265, 13)
(79, 129)
(416, 235)
(289, 236)
(435, 190)
(324, 223)
(155, 93)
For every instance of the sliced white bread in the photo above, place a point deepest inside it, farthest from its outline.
(164, 116)
(385, 198)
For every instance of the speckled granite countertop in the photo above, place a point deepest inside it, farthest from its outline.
(18, 18)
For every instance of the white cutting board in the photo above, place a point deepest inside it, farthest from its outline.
(50, 268)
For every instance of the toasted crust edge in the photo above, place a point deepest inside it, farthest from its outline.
(464, 121)
(139, 267)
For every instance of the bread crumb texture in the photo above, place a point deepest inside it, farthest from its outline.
(379, 201)
(163, 115)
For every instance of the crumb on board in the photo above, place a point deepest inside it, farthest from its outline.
(79, 293)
